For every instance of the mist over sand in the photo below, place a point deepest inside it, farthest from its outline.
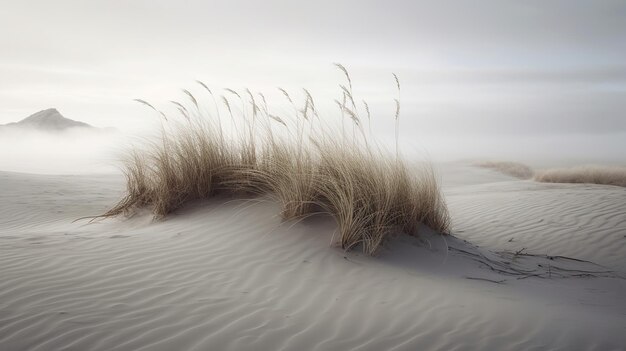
(72, 151)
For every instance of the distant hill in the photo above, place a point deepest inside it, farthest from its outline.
(47, 120)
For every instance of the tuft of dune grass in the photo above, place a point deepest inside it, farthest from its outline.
(300, 162)
(513, 169)
(604, 175)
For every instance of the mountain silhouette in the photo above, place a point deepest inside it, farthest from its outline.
(48, 120)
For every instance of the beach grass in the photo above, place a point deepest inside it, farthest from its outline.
(241, 148)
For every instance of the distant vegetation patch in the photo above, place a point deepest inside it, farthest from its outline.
(605, 175)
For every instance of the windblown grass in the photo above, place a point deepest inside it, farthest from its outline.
(298, 161)
(604, 175)
(514, 169)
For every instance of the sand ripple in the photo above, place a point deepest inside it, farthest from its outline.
(583, 221)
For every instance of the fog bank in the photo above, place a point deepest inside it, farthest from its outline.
(74, 151)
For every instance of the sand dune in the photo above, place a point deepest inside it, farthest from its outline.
(585, 221)
(230, 275)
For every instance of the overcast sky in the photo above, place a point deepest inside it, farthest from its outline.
(482, 67)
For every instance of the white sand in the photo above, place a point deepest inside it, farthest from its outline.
(230, 275)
